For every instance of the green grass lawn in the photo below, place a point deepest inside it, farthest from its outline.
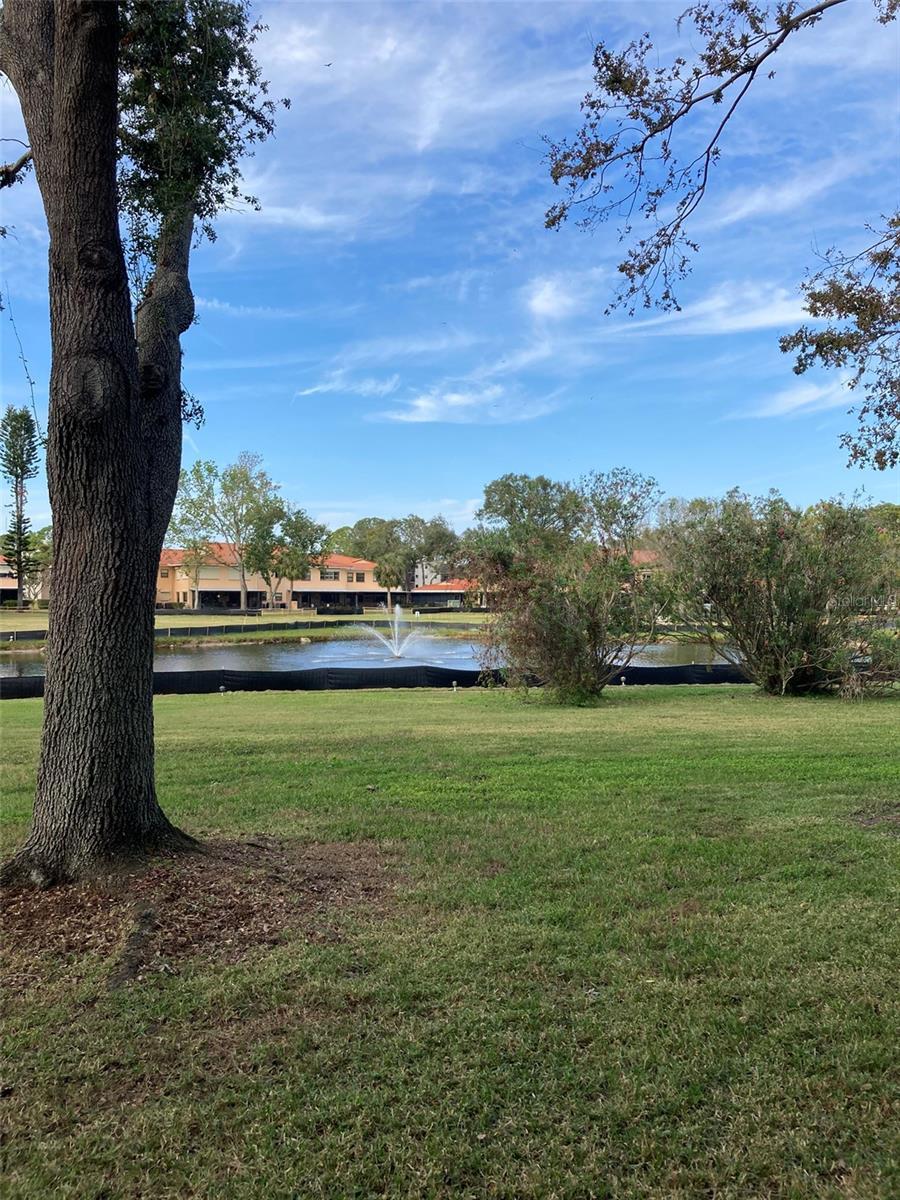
(648, 949)
(12, 621)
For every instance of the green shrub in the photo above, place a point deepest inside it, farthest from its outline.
(570, 610)
(773, 587)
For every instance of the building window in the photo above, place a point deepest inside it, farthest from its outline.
(349, 576)
(165, 572)
(360, 577)
(324, 574)
(278, 595)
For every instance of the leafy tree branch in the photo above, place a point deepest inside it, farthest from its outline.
(627, 162)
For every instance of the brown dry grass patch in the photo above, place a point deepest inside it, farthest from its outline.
(886, 818)
(218, 905)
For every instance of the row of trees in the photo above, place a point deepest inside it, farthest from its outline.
(236, 515)
(803, 600)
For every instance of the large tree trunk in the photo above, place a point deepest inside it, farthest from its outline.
(112, 459)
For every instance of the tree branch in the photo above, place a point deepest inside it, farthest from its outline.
(10, 173)
(609, 170)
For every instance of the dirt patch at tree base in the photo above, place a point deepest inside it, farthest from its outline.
(218, 905)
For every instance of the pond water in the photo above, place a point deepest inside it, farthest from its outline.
(291, 656)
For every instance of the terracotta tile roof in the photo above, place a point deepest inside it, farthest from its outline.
(644, 558)
(448, 585)
(344, 560)
(223, 553)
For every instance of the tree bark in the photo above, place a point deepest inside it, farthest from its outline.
(112, 458)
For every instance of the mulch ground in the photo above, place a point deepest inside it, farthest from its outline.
(219, 906)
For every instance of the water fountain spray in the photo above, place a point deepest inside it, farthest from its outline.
(397, 640)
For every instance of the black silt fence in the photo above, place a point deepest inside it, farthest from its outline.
(24, 635)
(328, 679)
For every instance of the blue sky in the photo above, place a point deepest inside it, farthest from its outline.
(396, 328)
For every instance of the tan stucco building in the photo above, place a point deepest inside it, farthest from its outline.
(339, 582)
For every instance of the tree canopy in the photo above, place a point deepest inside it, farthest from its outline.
(399, 546)
(284, 542)
(570, 609)
(783, 592)
(237, 505)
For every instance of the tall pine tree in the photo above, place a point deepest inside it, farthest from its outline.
(18, 464)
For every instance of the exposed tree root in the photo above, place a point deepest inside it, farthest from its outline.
(39, 867)
(133, 952)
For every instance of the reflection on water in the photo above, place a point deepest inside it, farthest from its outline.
(291, 656)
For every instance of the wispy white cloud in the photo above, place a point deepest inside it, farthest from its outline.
(464, 405)
(338, 382)
(802, 398)
(265, 312)
(549, 300)
(729, 308)
(386, 349)
(556, 296)
(412, 79)
(459, 283)
(368, 351)
(514, 361)
(460, 512)
(776, 198)
(304, 217)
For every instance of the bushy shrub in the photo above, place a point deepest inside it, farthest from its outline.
(569, 609)
(572, 622)
(783, 592)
